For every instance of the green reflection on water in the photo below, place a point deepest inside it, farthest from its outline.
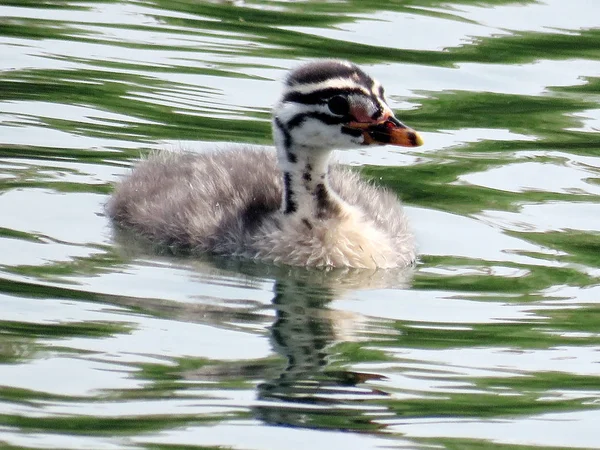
(311, 380)
(578, 246)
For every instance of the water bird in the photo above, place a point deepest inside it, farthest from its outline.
(286, 207)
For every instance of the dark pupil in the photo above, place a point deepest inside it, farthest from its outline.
(338, 105)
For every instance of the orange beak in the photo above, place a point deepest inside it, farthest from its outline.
(391, 131)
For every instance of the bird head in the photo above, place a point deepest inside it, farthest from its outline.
(333, 104)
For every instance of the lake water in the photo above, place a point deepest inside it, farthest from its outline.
(493, 342)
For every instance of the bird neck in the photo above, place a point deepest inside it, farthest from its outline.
(306, 189)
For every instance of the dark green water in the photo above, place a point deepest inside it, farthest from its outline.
(493, 342)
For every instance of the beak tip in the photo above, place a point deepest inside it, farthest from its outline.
(418, 140)
(406, 137)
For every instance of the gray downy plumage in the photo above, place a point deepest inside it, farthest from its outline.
(237, 202)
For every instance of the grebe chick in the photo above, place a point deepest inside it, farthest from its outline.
(291, 207)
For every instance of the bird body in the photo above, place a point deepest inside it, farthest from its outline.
(292, 206)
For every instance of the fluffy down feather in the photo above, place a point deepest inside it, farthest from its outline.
(227, 202)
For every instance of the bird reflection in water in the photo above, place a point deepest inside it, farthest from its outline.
(309, 391)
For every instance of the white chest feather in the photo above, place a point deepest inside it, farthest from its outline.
(348, 241)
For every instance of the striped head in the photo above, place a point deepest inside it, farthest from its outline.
(331, 104)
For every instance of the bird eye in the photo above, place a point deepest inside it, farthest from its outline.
(338, 105)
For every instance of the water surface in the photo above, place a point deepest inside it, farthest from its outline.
(492, 342)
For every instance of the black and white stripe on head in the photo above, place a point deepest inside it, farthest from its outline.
(329, 91)
(318, 81)
(333, 74)
(322, 71)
